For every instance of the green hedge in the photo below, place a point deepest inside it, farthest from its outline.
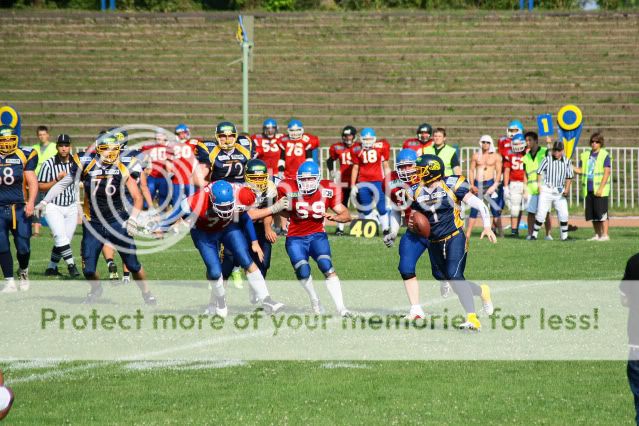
(292, 5)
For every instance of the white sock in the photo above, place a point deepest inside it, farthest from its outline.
(307, 284)
(335, 290)
(257, 283)
(340, 226)
(384, 221)
(217, 288)
(417, 310)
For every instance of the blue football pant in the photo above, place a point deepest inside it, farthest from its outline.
(95, 234)
(208, 244)
(411, 248)
(230, 260)
(158, 186)
(316, 246)
(181, 192)
(14, 221)
(366, 195)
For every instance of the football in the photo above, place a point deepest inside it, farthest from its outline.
(6, 401)
(418, 223)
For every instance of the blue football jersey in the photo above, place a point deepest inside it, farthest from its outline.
(441, 205)
(225, 165)
(105, 185)
(12, 168)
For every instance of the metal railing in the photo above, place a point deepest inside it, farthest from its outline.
(625, 173)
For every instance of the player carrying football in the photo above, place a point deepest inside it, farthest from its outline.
(438, 199)
(17, 170)
(370, 166)
(310, 199)
(343, 153)
(108, 178)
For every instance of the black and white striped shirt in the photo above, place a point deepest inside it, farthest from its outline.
(49, 171)
(555, 172)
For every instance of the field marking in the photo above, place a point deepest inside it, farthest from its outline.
(353, 365)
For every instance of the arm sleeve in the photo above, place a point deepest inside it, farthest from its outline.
(454, 162)
(542, 166)
(570, 174)
(247, 223)
(32, 161)
(477, 204)
(607, 162)
(44, 176)
(58, 188)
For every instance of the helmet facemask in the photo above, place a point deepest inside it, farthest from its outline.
(223, 210)
(8, 144)
(518, 145)
(295, 133)
(258, 182)
(308, 183)
(226, 140)
(368, 142)
(109, 152)
(407, 172)
(269, 131)
(512, 131)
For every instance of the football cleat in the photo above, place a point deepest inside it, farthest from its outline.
(126, 279)
(604, 238)
(445, 289)
(73, 271)
(485, 299)
(548, 238)
(470, 326)
(271, 306)
(413, 316)
(221, 309)
(236, 279)
(52, 272)
(113, 271)
(149, 299)
(317, 307)
(339, 233)
(345, 313)
(10, 286)
(93, 296)
(23, 281)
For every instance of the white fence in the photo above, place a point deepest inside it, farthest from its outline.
(625, 174)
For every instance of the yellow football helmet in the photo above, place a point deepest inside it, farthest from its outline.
(8, 140)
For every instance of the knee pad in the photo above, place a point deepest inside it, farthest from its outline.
(407, 276)
(563, 223)
(302, 270)
(325, 264)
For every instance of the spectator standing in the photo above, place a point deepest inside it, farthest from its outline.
(45, 150)
(446, 153)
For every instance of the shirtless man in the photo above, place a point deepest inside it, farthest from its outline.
(485, 175)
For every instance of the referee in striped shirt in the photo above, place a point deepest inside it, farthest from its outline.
(62, 212)
(554, 176)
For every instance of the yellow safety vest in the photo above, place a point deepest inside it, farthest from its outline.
(532, 164)
(598, 173)
(446, 154)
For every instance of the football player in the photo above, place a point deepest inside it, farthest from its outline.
(343, 152)
(515, 182)
(295, 148)
(310, 199)
(266, 146)
(438, 198)
(226, 159)
(17, 171)
(180, 163)
(370, 166)
(217, 208)
(423, 139)
(107, 178)
(157, 180)
(505, 142)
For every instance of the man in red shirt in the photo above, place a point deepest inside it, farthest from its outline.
(180, 162)
(370, 166)
(515, 182)
(296, 147)
(266, 146)
(423, 139)
(343, 152)
(310, 198)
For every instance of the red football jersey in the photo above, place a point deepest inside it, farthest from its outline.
(416, 145)
(182, 157)
(295, 152)
(268, 150)
(513, 161)
(504, 145)
(306, 216)
(370, 161)
(200, 203)
(344, 154)
(156, 153)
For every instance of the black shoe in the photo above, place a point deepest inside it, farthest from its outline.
(572, 228)
(113, 271)
(52, 272)
(149, 299)
(73, 271)
(339, 233)
(93, 296)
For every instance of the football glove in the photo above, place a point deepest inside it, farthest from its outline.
(131, 226)
(40, 209)
(389, 239)
(281, 204)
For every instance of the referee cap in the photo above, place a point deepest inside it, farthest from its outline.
(64, 139)
(558, 146)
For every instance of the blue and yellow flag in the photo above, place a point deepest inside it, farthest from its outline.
(570, 123)
(240, 35)
(10, 117)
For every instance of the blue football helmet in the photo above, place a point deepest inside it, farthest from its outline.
(405, 166)
(222, 199)
(8, 140)
(368, 137)
(295, 130)
(182, 128)
(429, 168)
(514, 127)
(269, 127)
(518, 143)
(308, 177)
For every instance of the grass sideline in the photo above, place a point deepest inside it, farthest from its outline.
(342, 392)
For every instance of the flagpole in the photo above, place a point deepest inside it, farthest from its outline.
(245, 86)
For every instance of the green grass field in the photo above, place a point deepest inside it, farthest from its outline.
(444, 392)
